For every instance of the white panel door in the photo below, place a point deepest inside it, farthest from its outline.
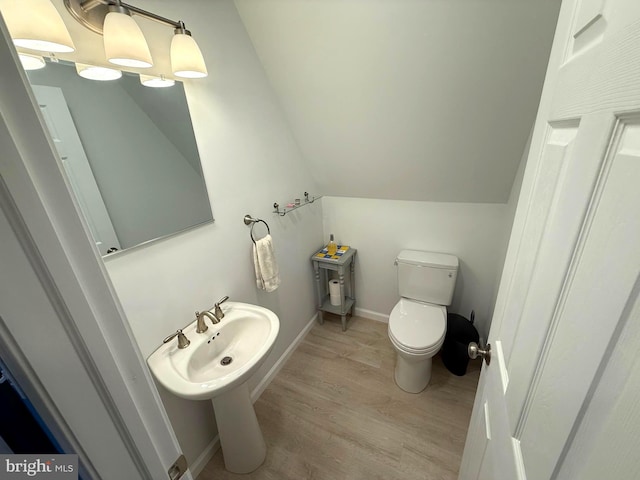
(76, 165)
(562, 384)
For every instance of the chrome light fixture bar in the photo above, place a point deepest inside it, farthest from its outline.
(186, 58)
(91, 13)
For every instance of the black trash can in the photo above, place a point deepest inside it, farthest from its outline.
(460, 332)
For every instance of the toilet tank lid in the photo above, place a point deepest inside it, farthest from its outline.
(428, 259)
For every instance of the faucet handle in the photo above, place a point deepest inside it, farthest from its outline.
(222, 300)
(218, 311)
(183, 341)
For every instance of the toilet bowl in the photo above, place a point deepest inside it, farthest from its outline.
(418, 322)
(417, 332)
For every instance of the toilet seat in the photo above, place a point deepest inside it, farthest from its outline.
(417, 328)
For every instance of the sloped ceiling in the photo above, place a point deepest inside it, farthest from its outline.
(427, 100)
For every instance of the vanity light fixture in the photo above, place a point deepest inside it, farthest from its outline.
(124, 42)
(186, 58)
(93, 72)
(31, 62)
(156, 82)
(36, 25)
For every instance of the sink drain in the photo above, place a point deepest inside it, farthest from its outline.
(226, 361)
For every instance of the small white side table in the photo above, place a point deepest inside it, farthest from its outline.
(347, 294)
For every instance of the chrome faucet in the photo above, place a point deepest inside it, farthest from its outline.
(214, 316)
(218, 311)
(202, 327)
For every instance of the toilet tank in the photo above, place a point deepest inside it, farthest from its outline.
(427, 276)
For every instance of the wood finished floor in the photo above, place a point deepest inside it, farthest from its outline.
(334, 412)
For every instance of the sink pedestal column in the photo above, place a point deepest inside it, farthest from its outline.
(243, 446)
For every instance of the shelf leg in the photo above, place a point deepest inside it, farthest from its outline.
(352, 285)
(343, 305)
(316, 269)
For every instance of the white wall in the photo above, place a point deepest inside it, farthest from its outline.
(380, 229)
(250, 160)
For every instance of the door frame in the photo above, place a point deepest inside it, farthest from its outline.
(46, 219)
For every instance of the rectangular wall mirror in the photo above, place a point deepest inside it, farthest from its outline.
(129, 152)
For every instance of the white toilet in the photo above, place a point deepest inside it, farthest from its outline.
(418, 322)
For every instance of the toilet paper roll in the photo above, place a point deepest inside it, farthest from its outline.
(334, 292)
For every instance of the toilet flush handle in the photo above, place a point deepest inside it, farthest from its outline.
(475, 351)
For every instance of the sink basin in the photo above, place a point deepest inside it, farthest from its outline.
(216, 365)
(218, 360)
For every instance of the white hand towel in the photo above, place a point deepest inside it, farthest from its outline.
(264, 259)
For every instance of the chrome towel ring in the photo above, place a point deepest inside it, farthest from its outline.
(249, 220)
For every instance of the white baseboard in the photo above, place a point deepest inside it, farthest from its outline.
(202, 460)
(371, 315)
(257, 391)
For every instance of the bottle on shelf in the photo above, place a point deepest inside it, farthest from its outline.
(331, 246)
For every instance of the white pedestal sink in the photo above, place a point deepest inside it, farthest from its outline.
(216, 366)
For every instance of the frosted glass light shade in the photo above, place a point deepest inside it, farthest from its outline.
(93, 72)
(186, 58)
(156, 82)
(37, 25)
(31, 62)
(124, 43)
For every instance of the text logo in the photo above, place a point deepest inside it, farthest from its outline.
(49, 467)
